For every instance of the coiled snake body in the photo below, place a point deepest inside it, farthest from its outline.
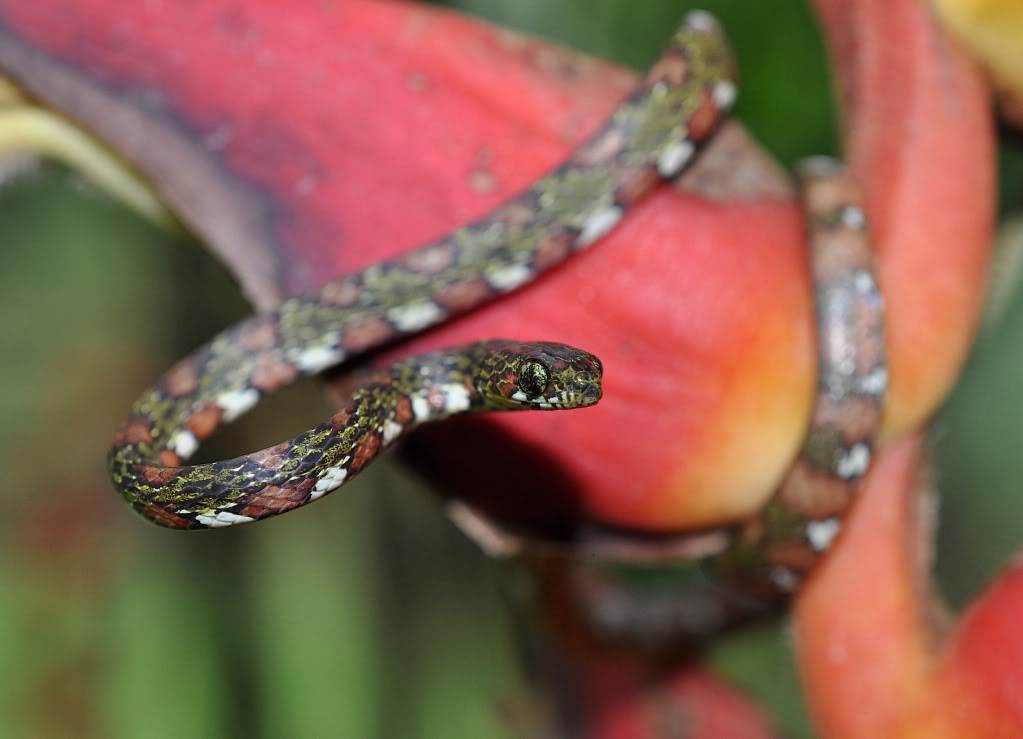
(650, 137)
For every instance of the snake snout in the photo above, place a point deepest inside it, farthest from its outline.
(589, 394)
(585, 388)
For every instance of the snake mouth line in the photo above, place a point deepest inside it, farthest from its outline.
(571, 401)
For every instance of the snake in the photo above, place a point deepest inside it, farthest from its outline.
(647, 140)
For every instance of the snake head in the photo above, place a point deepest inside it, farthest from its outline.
(537, 376)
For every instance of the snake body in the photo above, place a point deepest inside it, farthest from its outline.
(649, 138)
(805, 515)
(768, 558)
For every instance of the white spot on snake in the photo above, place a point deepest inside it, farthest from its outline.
(236, 402)
(415, 316)
(330, 479)
(456, 398)
(223, 518)
(822, 533)
(854, 462)
(183, 443)
(391, 431)
(519, 395)
(674, 158)
(724, 94)
(864, 282)
(701, 20)
(420, 407)
(785, 579)
(509, 277)
(318, 358)
(875, 382)
(599, 224)
(853, 217)
(820, 166)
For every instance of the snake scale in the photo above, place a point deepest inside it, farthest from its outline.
(648, 139)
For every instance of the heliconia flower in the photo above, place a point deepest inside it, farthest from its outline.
(699, 308)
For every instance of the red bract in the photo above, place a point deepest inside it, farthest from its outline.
(919, 133)
(688, 703)
(877, 657)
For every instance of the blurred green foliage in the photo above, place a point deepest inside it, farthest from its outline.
(371, 616)
(325, 625)
(776, 44)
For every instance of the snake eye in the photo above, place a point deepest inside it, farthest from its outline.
(533, 378)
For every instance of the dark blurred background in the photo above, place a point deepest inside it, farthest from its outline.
(371, 616)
